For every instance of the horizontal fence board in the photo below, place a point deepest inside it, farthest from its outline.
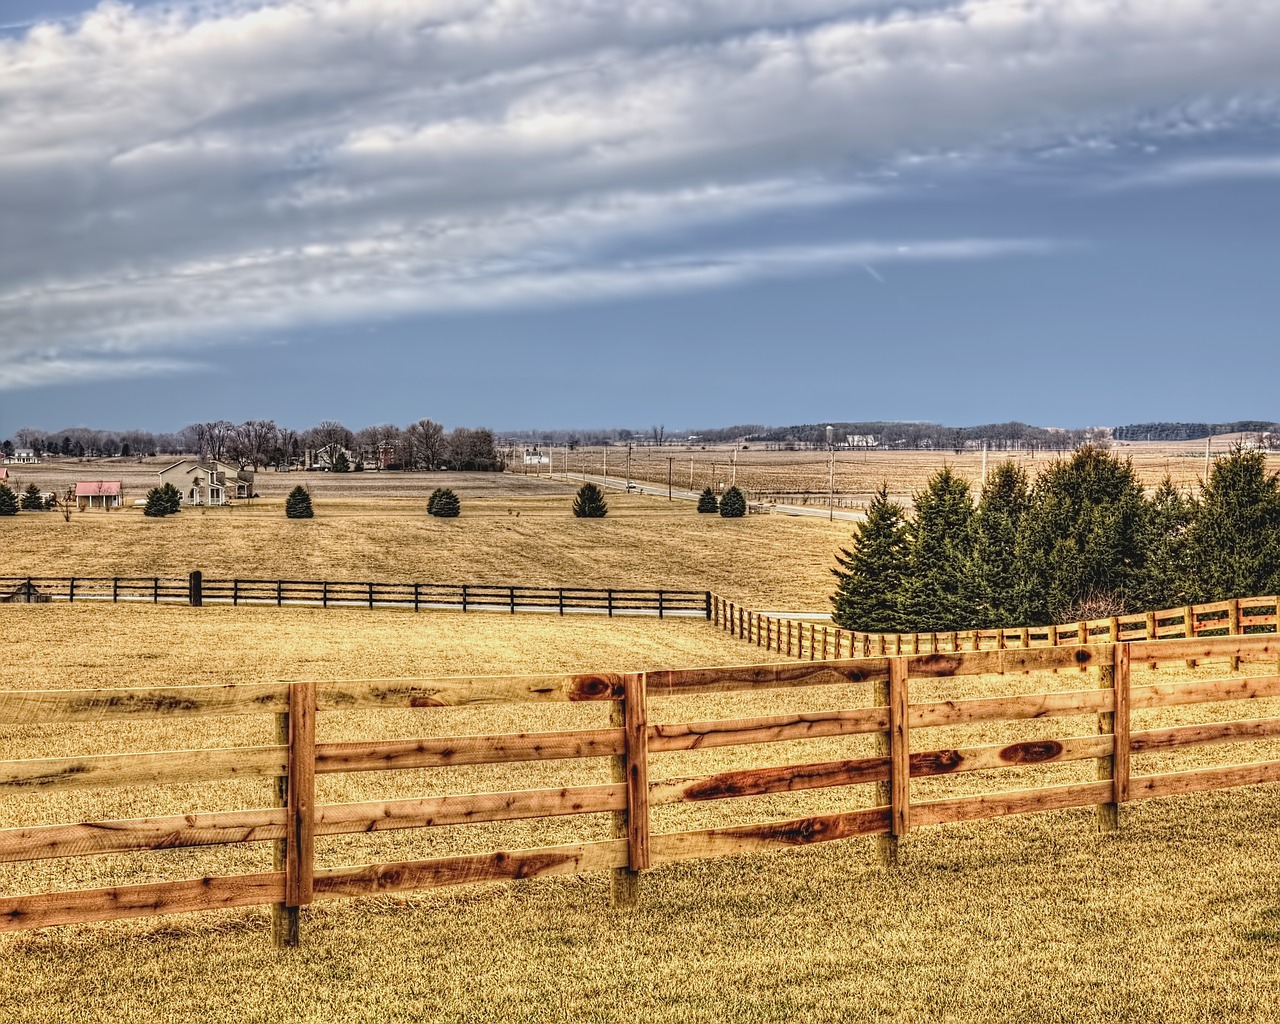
(667, 737)
(1204, 733)
(120, 902)
(1014, 661)
(462, 809)
(48, 842)
(1204, 691)
(1015, 708)
(1201, 780)
(673, 683)
(670, 847)
(350, 695)
(54, 774)
(996, 805)
(27, 707)
(483, 867)
(436, 752)
(1262, 645)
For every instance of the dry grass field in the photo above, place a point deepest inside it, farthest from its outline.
(774, 562)
(801, 477)
(1177, 917)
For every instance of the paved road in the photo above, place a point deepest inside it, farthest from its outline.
(660, 490)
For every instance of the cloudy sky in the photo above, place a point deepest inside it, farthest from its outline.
(589, 212)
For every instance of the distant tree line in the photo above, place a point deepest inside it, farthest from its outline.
(421, 446)
(1082, 542)
(996, 436)
(1191, 431)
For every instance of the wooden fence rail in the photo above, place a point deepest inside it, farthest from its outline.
(197, 589)
(294, 825)
(812, 640)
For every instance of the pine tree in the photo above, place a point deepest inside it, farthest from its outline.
(31, 499)
(734, 504)
(341, 464)
(161, 503)
(8, 501)
(995, 535)
(590, 503)
(707, 501)
(938, 591)
(870, 575)
(1234, 540)
(1080, 539)
(443, 504)
(1166, 574)
(298, 504)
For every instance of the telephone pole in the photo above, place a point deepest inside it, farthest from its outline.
(669, 462)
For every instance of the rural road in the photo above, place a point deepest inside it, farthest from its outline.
(660, 490)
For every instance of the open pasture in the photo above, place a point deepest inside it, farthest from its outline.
(1175, 917)
(776, 562)
(802, 477)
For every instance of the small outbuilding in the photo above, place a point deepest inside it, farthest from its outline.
(99, 494)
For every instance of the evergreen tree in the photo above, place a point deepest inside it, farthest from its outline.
(31, 499)
(1234, 540)
(938, 590)
(1080, 539)
(8, 501)
(995, 535)
(298, 504)
(707, 501)
(341, 464)
(444, 504)
(1166, 574)
(734, 504)
(590, 503)
(162, 501)
(870, 576)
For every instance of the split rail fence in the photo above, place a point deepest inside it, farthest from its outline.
(295, 821)
(197, 589)
(816, 641)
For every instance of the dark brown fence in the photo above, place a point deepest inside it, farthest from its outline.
(197, 589)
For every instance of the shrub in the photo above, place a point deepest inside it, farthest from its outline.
(32, 500)
(162, 501)
(298, 504)
(8, 501)
(443, 504)
(733, 505)
(707, 501)
(590, 503)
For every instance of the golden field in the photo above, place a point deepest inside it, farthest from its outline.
(802, 477)
(1176, 917)
(527, 539)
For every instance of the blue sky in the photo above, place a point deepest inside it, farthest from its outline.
(541, 213)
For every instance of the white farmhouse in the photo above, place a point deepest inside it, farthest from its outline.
(208, 483)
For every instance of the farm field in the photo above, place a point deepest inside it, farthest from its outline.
(777, 562)
(1176, 917)
(801, 477)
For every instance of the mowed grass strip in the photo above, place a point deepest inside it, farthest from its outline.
(1023, 919)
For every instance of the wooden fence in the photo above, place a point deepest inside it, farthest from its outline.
(295, 823)
(815, 641)
(198, 589)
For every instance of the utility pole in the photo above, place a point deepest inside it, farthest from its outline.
(733, 474)
(606, 465)
(669, 462)
(831, 481)
(690, 474)
(628, 465)
(1208, 441)
(984, 464)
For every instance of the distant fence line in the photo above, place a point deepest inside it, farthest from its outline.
(901, 727)
(814, 641)
(196, 590)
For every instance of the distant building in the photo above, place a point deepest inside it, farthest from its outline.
(22, 457)
(325, 458)
(208, 483)
(536, 458)
(861, 440)
(99, 494)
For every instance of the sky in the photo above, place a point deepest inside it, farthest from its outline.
(575, 213)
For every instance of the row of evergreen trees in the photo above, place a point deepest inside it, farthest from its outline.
(1083, 541)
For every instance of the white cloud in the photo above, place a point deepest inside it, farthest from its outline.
(1202, 170)
(34, 372)
(175, 174)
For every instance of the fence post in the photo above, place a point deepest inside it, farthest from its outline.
(1150, 626)
(1233, 627)
(235, 592)
(708, 605)
(279, 593)
(610, 604)
(115, 590)
(464, 597)
(1108, 816)
(370, 595)
(899, 748)
(299, 862)
(561, 598)
(887, 842)
(155, 592)
(71, 590)
(195, 589)
(632, 769)
(1120, 756)
(1189, 629)
(284, 919)
(1082, 632)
